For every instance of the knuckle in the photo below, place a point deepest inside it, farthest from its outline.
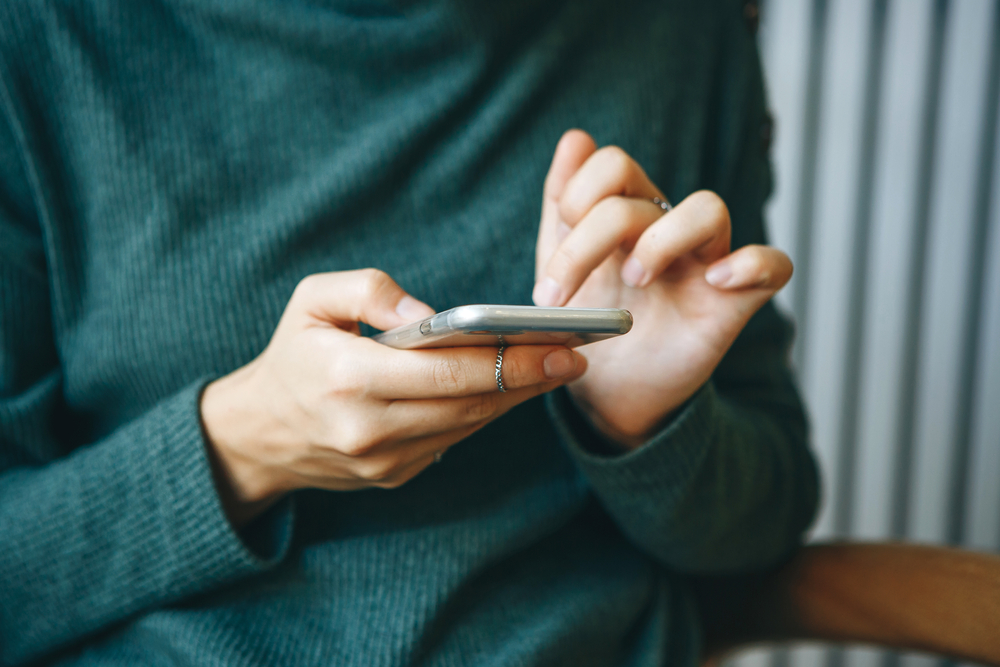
(617, 161)
(382, 471)
(482, 407)
(571, 210)
(306, 288)
(353, 448)
(449, 375)
(354, 439)
(372, 282)
(343, 377)
(399, 479)
(712, 207)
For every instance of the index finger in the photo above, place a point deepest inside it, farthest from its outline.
(464, 371)
(608, 172)
(573, 150)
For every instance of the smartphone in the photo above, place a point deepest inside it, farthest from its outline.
(510, 325)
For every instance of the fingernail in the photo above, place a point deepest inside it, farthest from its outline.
(562, 231)
(547, 293)
(410, 309)
(633, 274)
(719, 275)
(559, 364)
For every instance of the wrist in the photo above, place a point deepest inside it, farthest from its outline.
(602, 428)
(624, 441)
(626, 429)
(232, 424)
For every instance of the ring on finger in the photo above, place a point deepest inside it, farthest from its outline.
(499, 369)
(437, 456)
(663, 204)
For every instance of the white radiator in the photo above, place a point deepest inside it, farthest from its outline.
(887, 159)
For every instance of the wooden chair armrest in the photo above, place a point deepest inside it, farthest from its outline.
(901, 596)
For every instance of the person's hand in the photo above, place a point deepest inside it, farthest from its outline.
(323, 407)
(604, 243)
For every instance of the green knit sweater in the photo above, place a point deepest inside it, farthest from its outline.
(170, 170)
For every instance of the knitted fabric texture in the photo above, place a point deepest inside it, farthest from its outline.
(169, 171)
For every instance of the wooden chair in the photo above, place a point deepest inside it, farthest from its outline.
(900, 596)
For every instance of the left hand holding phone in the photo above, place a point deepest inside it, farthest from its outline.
(324, 407)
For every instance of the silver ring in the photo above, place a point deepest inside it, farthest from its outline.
(437, 456)
(663, 204)
(500, 370)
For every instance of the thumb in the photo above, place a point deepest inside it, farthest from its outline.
(572, 151)
(755, 272)
(751, 267)
(365, 295)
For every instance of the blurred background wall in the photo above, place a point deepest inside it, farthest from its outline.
(887, 160)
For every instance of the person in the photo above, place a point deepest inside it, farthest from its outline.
(207, 208)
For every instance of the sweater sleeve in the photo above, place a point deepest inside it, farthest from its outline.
(93, 534)
(730, 484)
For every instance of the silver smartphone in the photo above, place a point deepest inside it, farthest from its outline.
(510, 325)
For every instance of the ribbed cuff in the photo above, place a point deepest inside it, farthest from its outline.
(656, 473)
(191, 515)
